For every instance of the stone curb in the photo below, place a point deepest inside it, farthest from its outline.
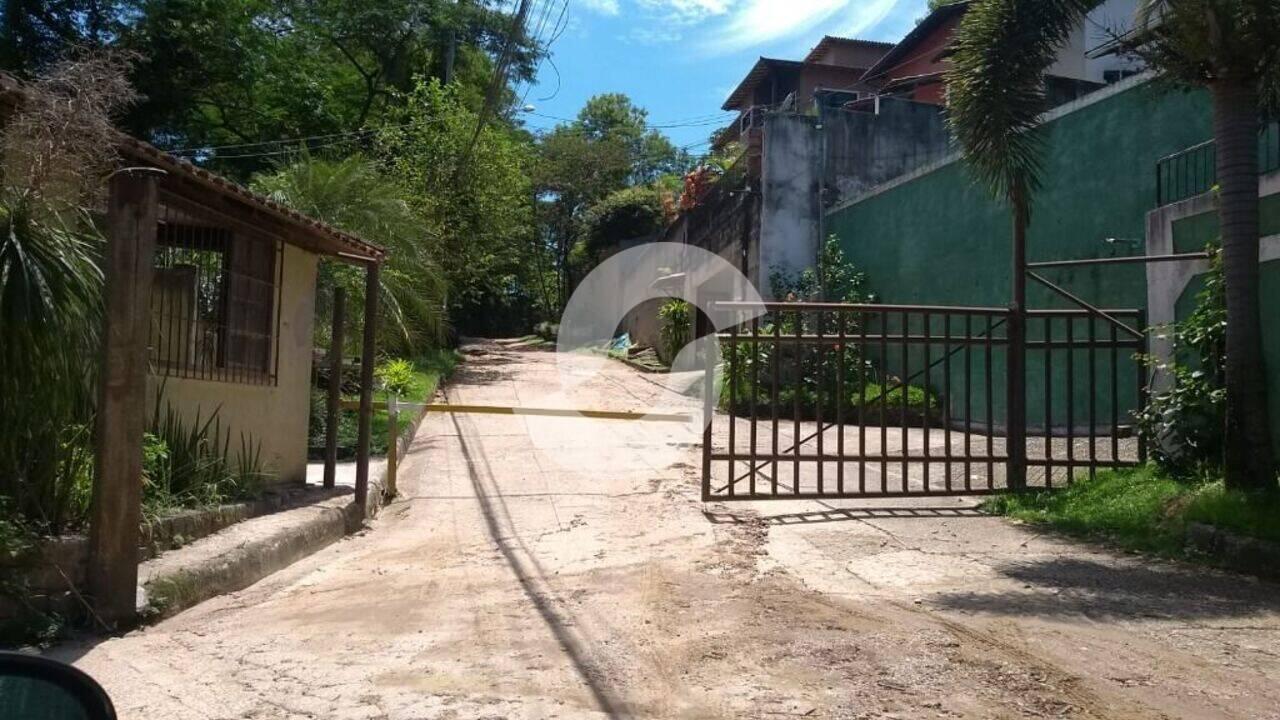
(249, 551)
(1244, 554)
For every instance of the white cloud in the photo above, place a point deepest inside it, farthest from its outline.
(604, 7)
(726, 26)
(863, 16)
(651, 36)
(684, 12)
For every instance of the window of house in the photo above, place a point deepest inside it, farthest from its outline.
(214, 300)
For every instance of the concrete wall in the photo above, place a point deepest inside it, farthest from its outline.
(865, 149)
(850, 153)
(789, 211)
(1172, 288)
(275, 415)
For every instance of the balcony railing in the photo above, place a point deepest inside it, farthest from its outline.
(1194, 171)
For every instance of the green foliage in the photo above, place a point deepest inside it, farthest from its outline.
(607, 148)
(843, 281)
(1196, 42)
(1144, 508)
(189, 462)
(477, 206)
(418, 385)
(996, 90)
(50, 312)
(806, 378)
(624, 215)
(1183, 424)
(677, 327)
(1128, 507)
(396, 376)
(354, 194)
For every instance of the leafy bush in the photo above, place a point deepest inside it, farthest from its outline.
(622, 215)
(677, 327)
(1183, 425)
(547, 330)
(189, 463)
(396, 376)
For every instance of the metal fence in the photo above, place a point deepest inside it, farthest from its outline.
(1194, 171)
(824, 400)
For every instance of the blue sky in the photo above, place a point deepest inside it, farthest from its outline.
(680, 58)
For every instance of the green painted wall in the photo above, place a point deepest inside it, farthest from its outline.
(941, 238)
(1193, 233)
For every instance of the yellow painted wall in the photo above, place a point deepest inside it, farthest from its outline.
(276, 416)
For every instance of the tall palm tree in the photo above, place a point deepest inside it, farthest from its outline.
(353, 194)
(995, 99)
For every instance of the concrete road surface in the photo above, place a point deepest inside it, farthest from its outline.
(543, 567)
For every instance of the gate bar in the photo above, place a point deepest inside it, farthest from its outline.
(1082, 303)
(1175, 257)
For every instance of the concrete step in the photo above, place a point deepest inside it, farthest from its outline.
(238, 556)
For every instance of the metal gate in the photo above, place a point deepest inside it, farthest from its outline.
(823, 400)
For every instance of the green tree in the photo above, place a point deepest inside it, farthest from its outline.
(352, 193)
(606, 148)
(623, 215)
(481, 219)
(34, 34)
(996, 96)
(231, 72)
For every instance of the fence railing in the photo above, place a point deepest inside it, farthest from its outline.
(1193, 171)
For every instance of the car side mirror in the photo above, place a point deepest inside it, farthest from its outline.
(37, 688)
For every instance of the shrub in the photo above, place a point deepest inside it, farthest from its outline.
(1183, 425)
(677, 327)
(397, 376)
(547, 330)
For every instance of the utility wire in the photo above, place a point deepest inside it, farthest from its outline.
(496, 84)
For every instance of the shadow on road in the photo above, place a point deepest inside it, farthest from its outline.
(1126, 589)
(533, 579)
(841, 515)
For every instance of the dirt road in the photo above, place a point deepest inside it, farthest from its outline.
(539, 568)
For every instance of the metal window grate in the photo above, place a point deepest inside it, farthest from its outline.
(214, 300)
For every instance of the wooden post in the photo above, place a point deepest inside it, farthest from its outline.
(333, 413)
(393, 442)
(367, 355)
(116, 509)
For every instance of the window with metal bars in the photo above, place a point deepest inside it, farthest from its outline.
(214, 300)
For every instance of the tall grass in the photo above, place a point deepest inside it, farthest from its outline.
(188, 462)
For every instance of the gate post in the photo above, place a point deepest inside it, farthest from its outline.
(1016, 400)
(1016, 413)
(116, 509)
(701, 331)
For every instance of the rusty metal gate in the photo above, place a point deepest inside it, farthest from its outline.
(824, 400)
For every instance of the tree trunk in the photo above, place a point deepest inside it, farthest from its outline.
(1249, 460)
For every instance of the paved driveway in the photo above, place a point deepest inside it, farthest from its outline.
(567, 568)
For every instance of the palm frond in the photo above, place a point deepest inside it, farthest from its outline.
(996, 89)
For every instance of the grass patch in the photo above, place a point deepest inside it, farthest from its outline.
(428, 372)
(1143, 509)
